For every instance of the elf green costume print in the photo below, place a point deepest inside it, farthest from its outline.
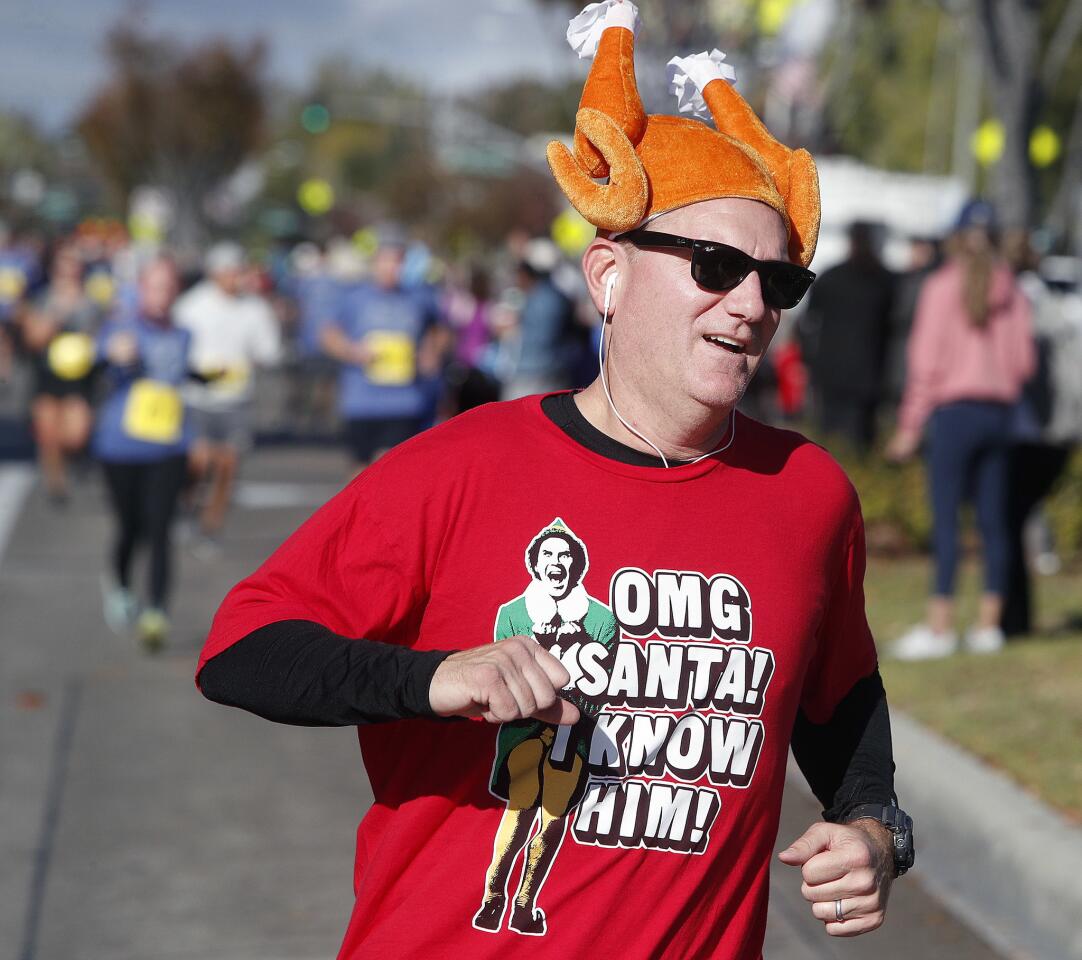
(540, 769)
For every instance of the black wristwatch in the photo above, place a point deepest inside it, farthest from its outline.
(899, 823)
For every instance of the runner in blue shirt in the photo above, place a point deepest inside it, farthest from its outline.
(142, 439)
(387, 340)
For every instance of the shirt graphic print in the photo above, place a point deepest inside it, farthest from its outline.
(667, 691)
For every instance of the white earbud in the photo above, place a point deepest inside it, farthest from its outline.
(609, 285)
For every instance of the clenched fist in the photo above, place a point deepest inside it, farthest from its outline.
(852, 863)
(509, 680)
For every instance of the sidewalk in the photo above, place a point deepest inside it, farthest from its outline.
(139, 822)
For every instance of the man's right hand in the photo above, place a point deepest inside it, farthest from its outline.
(509, 680)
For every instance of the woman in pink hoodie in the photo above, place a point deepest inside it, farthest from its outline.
(970, 352)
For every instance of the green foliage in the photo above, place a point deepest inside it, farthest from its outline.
(894, 500)
(529, 106)
(174, 117)
(898, 516)
(1064, 509)
(22, 144)
(879, 78)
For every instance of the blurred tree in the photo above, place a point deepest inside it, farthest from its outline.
(1032, 64)
(529, 106)
(374, 144)
(180, 120)
(878, 83)
(391, 150)
(22, 144)
(909, 72)
(1061, 78)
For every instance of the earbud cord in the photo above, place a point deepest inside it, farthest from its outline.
(605, 386)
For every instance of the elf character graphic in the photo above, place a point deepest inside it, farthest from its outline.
(540, 769)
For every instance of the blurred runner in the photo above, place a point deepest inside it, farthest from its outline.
(315, 294)
(17, 272)
(233, 332)
(142, 439)
(387, 341)
(545, 324)
(471, 377)
(1047, 427)
(58, 330)
(924, 258)
(846, 329)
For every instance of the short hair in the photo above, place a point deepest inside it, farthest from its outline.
(578, 553)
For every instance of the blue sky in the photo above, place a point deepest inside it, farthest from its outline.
(51, 50)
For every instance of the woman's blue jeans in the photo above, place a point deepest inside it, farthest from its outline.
(967, 459)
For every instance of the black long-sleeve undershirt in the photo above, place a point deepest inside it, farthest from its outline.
(299, 672)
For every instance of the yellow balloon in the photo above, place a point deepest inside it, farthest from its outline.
(71, 355)
(773, 14)
(988, 142)
(1044, 146)
(572, 232)
(315, 196)
(365, 240)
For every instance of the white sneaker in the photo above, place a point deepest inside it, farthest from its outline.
(119, 606)
(206, 548)
(923, 643)
(1047, 563)
(984, 640)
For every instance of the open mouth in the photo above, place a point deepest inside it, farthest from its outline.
(555, 575)
(733, 346)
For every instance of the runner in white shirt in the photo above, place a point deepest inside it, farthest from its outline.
(233, 333)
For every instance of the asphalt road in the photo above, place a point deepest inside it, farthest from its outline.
(140, 822)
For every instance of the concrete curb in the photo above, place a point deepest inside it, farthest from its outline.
(1005, 863)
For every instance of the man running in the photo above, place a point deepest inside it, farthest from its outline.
(387, 340)
(729, 555)
(234, 333)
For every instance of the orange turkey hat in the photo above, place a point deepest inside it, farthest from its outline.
(658, 163)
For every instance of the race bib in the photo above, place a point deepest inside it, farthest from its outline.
(100, 288)
(153, 412)
(394, 359)
(12, 284)
(71, 355)
(229, 380)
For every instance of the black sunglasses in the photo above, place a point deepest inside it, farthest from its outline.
(717, 266)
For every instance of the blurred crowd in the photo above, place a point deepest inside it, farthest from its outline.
(163, 369)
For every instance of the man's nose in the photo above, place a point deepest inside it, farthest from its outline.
(745, 300)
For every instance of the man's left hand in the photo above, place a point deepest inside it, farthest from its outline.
(850, 862)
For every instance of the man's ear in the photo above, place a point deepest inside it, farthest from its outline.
(601, 261)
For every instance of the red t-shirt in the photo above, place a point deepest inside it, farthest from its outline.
(696, 608)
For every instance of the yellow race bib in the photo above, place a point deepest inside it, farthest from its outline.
(233, 379)
(71, 355)
(394, 360)
(153, 412)
(100, 288)
(12, 284)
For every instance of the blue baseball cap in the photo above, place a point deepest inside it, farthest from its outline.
(977, 213)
